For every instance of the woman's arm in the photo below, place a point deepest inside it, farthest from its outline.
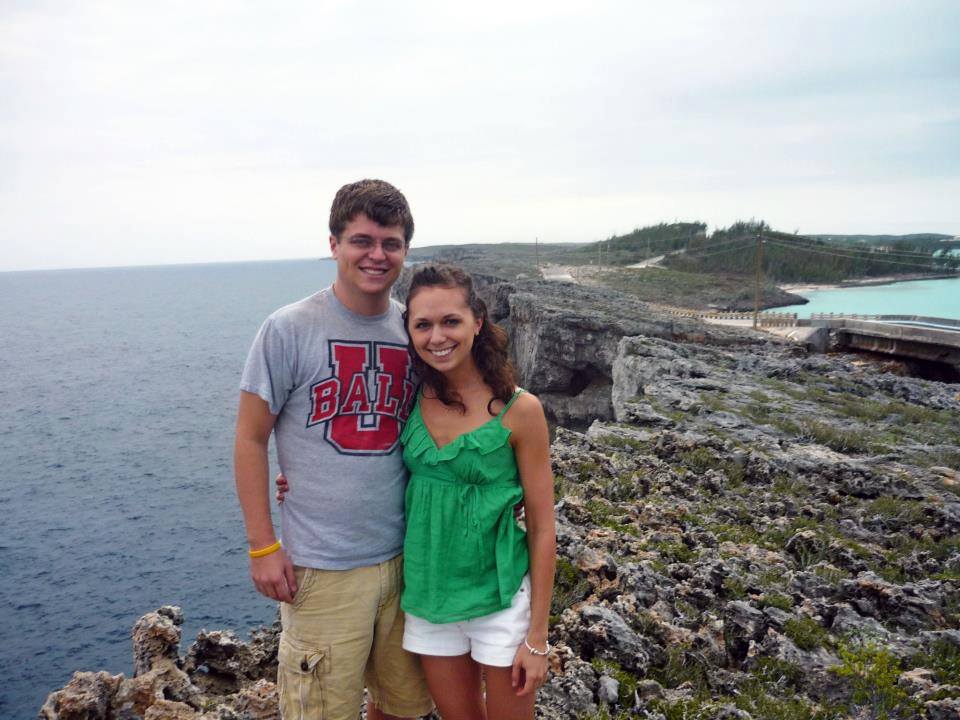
(531, 443)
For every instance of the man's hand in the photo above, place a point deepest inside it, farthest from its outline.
(273, 576)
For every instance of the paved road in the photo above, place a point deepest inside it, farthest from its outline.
(649, 262)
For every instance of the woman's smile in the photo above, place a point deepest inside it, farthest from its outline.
(443, 352)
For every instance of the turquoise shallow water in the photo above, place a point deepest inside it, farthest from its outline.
(935, 298)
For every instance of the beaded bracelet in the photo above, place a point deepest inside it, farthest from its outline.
(534, 651)
(263, 552)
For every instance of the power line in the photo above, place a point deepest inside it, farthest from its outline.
(709, 252)
(865, 251)
(847, 257)
(624, 239)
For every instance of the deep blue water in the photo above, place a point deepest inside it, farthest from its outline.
(118, 391)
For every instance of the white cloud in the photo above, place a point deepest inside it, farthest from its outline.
(174, 132)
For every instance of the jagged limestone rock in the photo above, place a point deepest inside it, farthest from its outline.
(743, 625)
(156, 636)
(88, 696)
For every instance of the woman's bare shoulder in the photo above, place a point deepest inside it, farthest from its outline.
(527, 402)
(526, 411)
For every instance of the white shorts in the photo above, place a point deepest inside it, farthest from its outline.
(491, 640)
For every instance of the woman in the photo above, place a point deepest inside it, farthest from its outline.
(477, 586)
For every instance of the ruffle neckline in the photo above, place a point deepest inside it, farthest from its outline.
(417, 441)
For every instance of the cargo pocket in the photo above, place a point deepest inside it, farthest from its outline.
(300, 678)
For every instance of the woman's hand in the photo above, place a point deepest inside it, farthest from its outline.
(283, 487)
(529, 671)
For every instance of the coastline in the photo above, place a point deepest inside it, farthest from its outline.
(800, 288)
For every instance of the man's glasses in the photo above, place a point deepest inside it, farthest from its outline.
(365, 242)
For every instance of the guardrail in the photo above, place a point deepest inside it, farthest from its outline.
(764, 319)
(888, 318)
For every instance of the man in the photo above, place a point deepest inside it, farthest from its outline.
(330, 377)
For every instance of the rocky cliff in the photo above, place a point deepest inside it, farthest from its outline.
(745, 531)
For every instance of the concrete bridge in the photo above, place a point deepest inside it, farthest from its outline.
(914, 336)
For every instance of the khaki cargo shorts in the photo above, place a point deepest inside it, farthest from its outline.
(344, 630)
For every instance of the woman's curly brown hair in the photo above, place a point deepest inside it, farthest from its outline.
(489, 347)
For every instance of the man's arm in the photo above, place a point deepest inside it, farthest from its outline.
(272, 574)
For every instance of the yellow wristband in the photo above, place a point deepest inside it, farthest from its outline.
(262, 552)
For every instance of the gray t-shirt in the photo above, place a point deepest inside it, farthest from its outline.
(341, 385)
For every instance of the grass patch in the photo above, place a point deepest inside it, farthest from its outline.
(683, 665)
(604, 514)
(806, 633)
(909, 511)
(831, 574)
(759, 412)
(712, 402)
(735, 533)
(776, 600)
(845, 440)
(943, 658)
(587, 468)
(762, 694)
(569, 587)
(625, 443)
(776, 538)
(734, 588)
(779, 672)
(672, 551)
(561, 488)
(942, 455)
(701, 459)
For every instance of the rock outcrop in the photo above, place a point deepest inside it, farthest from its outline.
(565, 341)
(221, 678)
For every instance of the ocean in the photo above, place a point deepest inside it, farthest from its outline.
(934, 298)
(118, 397)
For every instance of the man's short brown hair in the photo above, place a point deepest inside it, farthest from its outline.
(377, 199)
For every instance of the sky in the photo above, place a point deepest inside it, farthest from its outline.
(175, 132)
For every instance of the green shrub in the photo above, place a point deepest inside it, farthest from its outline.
(673, 551)
(872, 671)
(569, 587)
(805, 632)
(944, 659)
(683, 665)
(777, 600)
(734, 588)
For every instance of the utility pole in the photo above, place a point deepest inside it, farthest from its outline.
(756, 293)
(536, 245)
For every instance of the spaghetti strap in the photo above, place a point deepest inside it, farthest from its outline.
(509, 403)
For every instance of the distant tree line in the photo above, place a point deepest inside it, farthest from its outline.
(786, 257)
(641, 243)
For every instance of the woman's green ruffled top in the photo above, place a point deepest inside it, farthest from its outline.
(464, 555)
